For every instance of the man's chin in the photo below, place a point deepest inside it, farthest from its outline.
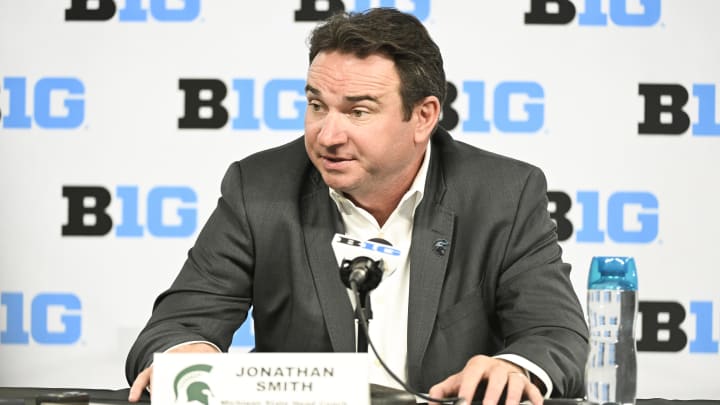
(338, 184)
(339, 187)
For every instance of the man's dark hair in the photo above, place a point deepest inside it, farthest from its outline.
(390, 32)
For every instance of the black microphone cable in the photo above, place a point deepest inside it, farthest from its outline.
(364, 325)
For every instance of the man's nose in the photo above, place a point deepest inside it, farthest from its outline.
(332, 131)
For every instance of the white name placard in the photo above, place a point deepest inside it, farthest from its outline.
(261, 379)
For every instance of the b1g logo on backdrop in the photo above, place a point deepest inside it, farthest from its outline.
(283, 105)
(666, 112)
(133, 10)
(631, 216)
(170, 211)
(48, 103)
(517, 106)
(55, 318)
(662, 330)
(626, 13)
(318, 10)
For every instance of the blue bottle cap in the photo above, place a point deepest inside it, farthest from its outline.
(612, 273)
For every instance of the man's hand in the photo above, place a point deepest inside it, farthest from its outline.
(144, 379)
(498, 373)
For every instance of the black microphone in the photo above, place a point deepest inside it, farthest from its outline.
(364, 261)
(364, 271)
(362, 274)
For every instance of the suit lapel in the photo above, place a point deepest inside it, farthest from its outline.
(432, 229)
(320, 222)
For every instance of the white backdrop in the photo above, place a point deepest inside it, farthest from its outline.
(96, 104)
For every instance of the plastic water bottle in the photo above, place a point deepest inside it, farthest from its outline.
(611, 370)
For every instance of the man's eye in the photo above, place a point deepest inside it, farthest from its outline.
(358, 113)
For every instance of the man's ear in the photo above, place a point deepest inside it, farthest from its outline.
(427, 113)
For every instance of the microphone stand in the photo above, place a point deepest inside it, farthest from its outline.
(363, 310)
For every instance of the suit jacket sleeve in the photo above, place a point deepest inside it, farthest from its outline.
(538, 310)
(211, 295)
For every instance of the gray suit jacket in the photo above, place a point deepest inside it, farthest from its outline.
(500, 286)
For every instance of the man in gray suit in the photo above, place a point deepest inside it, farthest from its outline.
(480, 294)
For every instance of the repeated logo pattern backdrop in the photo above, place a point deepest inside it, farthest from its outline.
(119, 118)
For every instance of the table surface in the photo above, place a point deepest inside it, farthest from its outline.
(379, 395)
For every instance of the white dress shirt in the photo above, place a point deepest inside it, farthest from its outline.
(389, 301)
